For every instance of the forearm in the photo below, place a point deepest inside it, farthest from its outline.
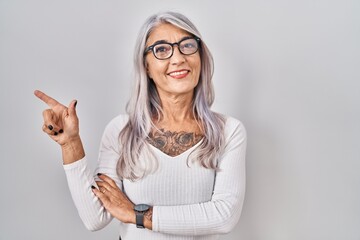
(80, 179)
(72, 151)
(212, 217)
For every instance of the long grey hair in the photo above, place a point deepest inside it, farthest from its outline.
(145, 105)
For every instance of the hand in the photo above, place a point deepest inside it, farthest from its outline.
(60, 122)
(114, 200)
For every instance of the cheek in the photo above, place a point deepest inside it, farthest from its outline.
(148, 72)
(147, 66)
(197, 65)
(155, 68)
(151, 72)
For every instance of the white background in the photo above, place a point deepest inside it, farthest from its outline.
(289, 70)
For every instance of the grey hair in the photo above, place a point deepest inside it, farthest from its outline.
(145, 103)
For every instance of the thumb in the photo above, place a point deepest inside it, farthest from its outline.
(72, 108)
(65, 113)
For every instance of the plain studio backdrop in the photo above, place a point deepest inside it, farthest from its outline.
(289, 70)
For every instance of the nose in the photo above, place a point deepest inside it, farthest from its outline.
(177, 57)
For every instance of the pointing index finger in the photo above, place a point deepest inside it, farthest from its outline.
(45, 98)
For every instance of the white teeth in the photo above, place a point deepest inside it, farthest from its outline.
(177, 73)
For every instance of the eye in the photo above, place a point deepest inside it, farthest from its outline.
(162, 48)
(189, 45)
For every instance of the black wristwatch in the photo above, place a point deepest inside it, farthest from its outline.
(140, 210)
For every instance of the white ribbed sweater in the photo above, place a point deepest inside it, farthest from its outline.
(189, 202)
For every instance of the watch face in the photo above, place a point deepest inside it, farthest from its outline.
(141, 207)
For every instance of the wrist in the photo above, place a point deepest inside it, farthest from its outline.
(70, 142)
(148, 218)
(72, 150)
(143, 216)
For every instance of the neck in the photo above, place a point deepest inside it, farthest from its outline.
(177, 109)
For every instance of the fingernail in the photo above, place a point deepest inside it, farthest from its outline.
(92, 187)
(75, 104)
(61, 131)
(55, 133)
(99, 174)
(50, 127)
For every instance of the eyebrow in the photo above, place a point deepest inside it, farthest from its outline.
(164, 41)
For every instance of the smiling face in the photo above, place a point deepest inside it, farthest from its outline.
(177, 75)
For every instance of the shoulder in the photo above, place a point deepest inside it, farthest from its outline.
(116, 125)
(118, 122)
(234, 128)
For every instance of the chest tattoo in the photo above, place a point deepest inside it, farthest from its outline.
(173, 143)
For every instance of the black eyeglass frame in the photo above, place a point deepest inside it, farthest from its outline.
(151, 48)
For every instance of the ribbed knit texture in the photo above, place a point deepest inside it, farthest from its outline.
(189, 202)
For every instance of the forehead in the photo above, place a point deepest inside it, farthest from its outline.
(167, 32)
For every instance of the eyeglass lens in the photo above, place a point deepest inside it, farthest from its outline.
(165, 50)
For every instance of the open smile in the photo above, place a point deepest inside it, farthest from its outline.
(179, 74)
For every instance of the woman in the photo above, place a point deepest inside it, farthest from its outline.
(171, 166)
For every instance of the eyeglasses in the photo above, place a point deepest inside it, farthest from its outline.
(163, 50)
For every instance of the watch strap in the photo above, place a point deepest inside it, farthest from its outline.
(139, 219)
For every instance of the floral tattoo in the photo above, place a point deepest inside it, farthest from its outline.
(173, 143)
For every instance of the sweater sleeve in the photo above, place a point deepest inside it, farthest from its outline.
(80, 179)
(222, 212)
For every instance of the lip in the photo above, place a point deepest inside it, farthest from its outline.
(181, 73)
